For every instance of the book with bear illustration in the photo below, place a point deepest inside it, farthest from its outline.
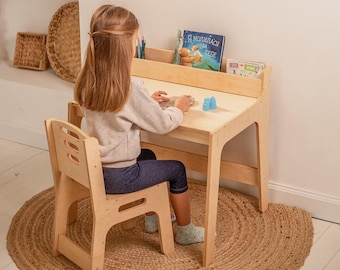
(199, 50)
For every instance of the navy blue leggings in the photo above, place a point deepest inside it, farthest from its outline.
(145, 173)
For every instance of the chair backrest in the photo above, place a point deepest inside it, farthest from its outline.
(74, 154)
(75, 115)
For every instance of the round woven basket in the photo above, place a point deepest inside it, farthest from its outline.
(63, 42)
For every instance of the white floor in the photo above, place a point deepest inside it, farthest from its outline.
(25, 171)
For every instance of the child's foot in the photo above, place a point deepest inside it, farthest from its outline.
(189, 234)
(151, 222)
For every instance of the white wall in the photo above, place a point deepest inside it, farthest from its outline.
(28, 97)
(301, 41)
(24, 16)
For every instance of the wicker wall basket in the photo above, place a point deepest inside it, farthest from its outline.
(30, 51)
(63, 42)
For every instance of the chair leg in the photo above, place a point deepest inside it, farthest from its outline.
(165, 225)
(98, 246)
(166, 234)
(60, 225)
(66, 195)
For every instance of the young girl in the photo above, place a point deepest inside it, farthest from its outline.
(116, 108)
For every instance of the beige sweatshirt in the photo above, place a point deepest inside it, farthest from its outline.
(119, 133)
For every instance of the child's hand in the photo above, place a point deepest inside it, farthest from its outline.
(183, 103)
(159, 96)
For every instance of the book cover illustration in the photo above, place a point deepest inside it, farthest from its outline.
(245, 68)
(199, 50)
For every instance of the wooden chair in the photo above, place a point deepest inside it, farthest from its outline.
(77, 173)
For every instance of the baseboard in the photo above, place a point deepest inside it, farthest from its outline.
(319, 205)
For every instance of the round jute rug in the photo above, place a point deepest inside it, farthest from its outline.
(280, 238)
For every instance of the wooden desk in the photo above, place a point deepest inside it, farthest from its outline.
(241, 102)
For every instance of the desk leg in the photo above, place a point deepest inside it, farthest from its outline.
(213, 176)
(263, 166)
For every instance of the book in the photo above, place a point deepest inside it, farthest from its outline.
(245, 68)
(199, 50)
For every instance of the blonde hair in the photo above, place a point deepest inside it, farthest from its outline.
(104, 81)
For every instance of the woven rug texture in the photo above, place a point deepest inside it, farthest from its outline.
(246, 239)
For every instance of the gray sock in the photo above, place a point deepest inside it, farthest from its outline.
(151, 222)
(189, 234)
